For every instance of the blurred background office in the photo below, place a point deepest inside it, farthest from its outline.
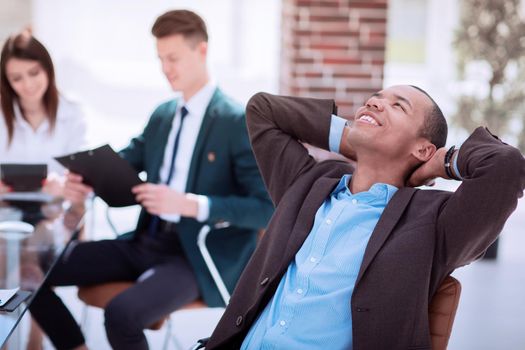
(469, 55)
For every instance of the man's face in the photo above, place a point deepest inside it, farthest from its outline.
(182, 61)
(390, 121)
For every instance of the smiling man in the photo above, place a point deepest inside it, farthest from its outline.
(353, 254)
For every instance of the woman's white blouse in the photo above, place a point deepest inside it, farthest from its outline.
(40, 146)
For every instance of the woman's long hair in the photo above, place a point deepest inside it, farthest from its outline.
(24, 46)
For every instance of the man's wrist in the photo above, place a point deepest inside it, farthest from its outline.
(447, 163)
(77, 207)
(197, 207)
(191, 208)
(455, 168)
(337, 126)
(450, 164)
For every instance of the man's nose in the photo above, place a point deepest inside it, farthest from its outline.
(375, 103)
(165, 68)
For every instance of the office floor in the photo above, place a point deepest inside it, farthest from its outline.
(490, 314)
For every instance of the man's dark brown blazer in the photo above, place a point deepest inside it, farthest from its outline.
(421, 237)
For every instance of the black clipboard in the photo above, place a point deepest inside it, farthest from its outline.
(111, 176)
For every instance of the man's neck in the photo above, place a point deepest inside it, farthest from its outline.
(196, 87)
(367, 174)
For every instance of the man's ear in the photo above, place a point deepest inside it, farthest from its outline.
(203, 48)
(424, 150)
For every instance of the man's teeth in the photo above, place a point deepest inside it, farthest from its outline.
(368, 119)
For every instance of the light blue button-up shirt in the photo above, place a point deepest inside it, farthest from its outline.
(311, 307)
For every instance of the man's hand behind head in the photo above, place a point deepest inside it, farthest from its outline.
(428, 171)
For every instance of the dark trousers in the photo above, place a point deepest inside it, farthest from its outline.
(169, 284)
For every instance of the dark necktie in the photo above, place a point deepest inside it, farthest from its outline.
(154, 223)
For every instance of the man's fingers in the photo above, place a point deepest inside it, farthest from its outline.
(74, 190)
(146, 195)
(418, 179)
(145, 187)
(140, 188)
(72, 177)
(430, 182)
(414, 180)
(150, 206)
(78, 187)
(74, 197)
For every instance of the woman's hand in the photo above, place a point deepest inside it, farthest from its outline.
(4, 188)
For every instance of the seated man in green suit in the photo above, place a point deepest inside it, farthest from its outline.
(201, 169)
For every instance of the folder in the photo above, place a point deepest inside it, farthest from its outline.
(111, 176)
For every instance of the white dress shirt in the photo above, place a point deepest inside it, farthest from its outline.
(40, 145)
(196, 107)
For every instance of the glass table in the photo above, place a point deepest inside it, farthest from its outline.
(33, 235)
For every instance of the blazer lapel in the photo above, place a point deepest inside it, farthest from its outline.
(385, 225)
(207, 124)
(320, 191)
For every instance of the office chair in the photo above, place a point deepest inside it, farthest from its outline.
(100, 295)
(442, 311)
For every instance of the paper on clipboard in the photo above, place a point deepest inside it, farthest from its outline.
(111, 176)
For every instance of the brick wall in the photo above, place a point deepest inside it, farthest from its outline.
(333, 49)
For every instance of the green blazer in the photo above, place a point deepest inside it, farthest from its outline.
(224, 169)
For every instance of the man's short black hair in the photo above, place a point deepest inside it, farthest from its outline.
(434, 126)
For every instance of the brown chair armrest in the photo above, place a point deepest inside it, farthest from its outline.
(442, 311)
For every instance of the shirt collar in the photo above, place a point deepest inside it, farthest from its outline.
(19, 119)
(198, 103)
(379, 191)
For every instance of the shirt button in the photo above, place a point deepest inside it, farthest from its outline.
(312, 259)
(354, 201)
(300, 291)
(239, 321)
(328, 221)
(264, 281)
(282, 323)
